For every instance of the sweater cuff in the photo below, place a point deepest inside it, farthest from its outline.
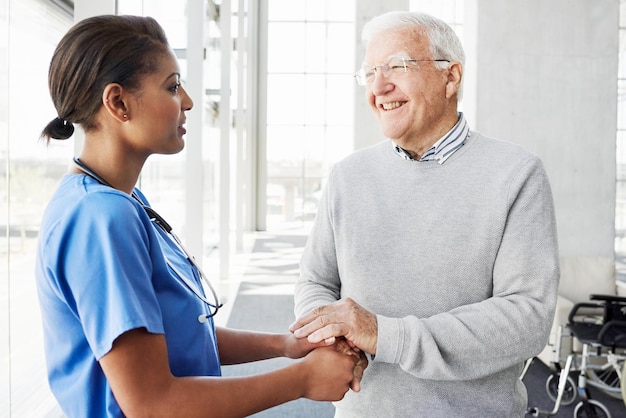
(390, 339)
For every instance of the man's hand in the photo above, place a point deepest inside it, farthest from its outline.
(344, 318)
(343, 347)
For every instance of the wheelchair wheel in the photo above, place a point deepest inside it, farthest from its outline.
(606, 380)
(552, 388)
(594, 409)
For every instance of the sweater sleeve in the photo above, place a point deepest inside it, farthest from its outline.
(479, 339)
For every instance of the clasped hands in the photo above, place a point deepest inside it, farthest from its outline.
(345, 323)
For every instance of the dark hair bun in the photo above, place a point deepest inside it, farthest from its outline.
(58, 129)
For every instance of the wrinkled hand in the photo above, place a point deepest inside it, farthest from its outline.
(343, 347)
(344, 318)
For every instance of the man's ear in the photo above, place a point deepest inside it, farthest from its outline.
(455, 74)
(113, 101)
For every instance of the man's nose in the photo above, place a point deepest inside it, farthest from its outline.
(381, 83)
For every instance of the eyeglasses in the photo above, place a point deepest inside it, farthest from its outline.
(397, 66)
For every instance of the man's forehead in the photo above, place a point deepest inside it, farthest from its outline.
(393, 41)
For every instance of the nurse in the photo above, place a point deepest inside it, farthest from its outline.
(118, 295)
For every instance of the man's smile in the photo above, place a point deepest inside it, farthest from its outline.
(391, 105)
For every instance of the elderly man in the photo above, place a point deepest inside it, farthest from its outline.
(434, 251)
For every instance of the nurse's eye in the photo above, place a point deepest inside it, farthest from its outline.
(174, 88)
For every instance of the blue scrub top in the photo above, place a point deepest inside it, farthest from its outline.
(101, 271)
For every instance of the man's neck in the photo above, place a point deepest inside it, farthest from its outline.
(416, 147)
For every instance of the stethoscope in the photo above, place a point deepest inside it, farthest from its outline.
(161, 223)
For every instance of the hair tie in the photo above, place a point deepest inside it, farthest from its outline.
(62, 128)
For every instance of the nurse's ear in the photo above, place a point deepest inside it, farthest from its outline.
(114, 101)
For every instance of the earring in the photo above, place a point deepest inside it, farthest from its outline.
(125, 116)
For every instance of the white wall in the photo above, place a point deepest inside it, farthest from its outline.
(547, 79)
(87, 8)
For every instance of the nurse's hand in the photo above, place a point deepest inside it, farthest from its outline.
(327, 374)
(300, 347)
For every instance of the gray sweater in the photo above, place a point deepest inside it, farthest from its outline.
(458, 261)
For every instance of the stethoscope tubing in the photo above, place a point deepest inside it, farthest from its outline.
(203, 277)
(161, 223)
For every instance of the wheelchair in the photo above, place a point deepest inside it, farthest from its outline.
(596, 338)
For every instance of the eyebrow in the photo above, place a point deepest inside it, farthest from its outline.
(174, 74)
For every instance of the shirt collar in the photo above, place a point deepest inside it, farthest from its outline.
(445, 146)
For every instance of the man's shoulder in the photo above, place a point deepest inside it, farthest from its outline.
(498, 148)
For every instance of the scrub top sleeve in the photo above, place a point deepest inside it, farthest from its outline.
(105, 254)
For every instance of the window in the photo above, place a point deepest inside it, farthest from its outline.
(31, 170)
(31, 29)
(164, 179)
(309, 102)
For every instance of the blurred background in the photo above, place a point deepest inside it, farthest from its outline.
(276, 106)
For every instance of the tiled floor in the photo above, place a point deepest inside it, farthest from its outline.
(264, 302)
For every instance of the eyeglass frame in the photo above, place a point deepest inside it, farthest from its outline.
(361, 76)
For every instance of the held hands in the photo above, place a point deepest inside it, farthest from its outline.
(299, 347)
(331, 371)
(342, 318)
(357, 373)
